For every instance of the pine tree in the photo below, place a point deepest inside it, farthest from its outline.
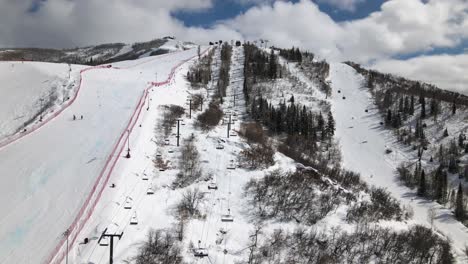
(423, 107)
(330, 125)
(406, 106)
(453, 167)
(411, 109)
(422, 184)
(459, 208)
(461, 139)
(388, 119)
(465, 172)
(454, 108)
(272, 67)
(446, 134)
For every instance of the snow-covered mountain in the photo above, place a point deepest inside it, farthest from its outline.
(94, 55)
(224, 154)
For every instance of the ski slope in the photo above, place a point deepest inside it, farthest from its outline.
(48, 175)
(28, 86)
(363, 143)
(156, 211)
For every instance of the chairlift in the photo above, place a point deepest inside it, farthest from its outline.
(144, 177)
(128, 203)
(170, 150)
(212, 186)
(104, 241)
(233, 134)
(162, 169)
(219, 146)
(200, 252)
(150, 190)
(227, 217)
(134, 219)
(158, 154)
(166, 141)
(232, 165)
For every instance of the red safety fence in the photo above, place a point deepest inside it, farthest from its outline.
(58, 253)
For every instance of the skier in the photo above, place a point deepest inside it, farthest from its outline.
(74, 117)
(81, 117)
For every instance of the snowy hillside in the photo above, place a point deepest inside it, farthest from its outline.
(61, 167)
(29, 89)
(227, 154)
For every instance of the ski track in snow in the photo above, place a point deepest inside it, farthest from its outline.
(363, 143)
(46, 176)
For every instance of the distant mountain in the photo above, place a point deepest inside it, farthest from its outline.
(94, 55)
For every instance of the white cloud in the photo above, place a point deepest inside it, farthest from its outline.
(400, 27)
(445, 71)
(348, 5)
(406, 26)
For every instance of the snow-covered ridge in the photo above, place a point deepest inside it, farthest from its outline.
(94, 55)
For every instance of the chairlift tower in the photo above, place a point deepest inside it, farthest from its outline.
(111, 237)
(128, 145)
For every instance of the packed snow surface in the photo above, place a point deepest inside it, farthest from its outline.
(46, 176)
(28, 86)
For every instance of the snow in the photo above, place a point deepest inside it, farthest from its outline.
(24, 85)
(48, 174)
(363, 143)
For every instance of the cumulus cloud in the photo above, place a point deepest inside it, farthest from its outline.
(348, 5)
(445, 71)
(69, 23)
(400, 27)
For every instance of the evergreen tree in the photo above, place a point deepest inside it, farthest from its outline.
(465, 172)
(461, 139)
(411, 108)
(446, 134)
(422, 184)
(273, 64)
(434, 108)
(330, 125)
(454, 108)
(388, 119)
(453, 167)
(459, 208)
(422, 101)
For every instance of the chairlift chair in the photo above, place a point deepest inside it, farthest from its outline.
(200, 252)
(104, 241)
(150, 190)
(212, 186)
(219, 146)
(134, 219)
(232, 165)
(170, 150)
(233, 134)
(158, 154)
(128, 203)
(227, 217)
(144, 177)
(166, 141)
